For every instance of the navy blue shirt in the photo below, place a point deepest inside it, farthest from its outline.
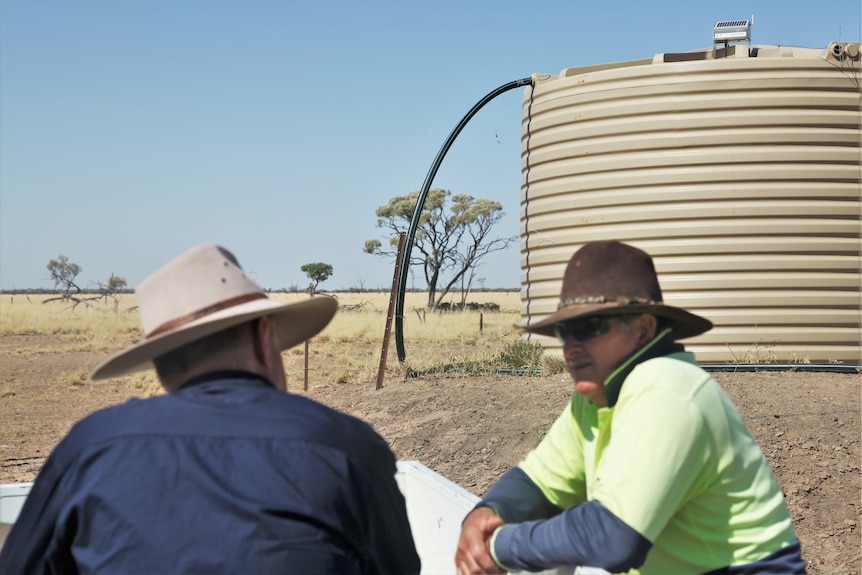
(225, 475)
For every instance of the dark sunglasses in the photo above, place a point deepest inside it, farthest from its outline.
(582, 329)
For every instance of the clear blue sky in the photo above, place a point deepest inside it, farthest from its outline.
(131, 131)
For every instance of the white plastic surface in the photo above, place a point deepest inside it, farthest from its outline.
(435, 508)
(12, 496)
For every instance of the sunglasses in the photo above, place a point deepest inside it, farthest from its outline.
(583, 329)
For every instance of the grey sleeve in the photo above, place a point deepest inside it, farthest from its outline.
(586, 534)
(515, 498)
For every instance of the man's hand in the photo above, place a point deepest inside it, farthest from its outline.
(473, 556)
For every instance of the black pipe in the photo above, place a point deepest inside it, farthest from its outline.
(807, 367)
(420, 204)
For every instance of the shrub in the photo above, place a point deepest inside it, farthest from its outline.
(522, 355)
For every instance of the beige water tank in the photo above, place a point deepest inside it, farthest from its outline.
(739, 170)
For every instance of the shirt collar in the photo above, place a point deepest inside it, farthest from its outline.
(660, 346)
(222, 376)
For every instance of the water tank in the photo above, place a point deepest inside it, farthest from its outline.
(738, 169)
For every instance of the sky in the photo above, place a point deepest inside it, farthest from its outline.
(133, 131)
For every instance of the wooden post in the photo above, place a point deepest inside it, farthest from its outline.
(481, 322)
(382, 369)
(305, 387)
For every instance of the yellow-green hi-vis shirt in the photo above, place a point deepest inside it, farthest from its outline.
(674, 461)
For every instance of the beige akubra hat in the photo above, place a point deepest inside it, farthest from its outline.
(204, 291)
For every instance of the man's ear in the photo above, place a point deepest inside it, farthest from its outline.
(268, 352)
(647, 326)
(261, 332)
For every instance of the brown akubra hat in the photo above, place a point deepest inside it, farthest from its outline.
(613, 278)
(204, 291)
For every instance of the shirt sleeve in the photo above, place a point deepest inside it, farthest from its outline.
(587, 534)
(556, 465)
(515, 498)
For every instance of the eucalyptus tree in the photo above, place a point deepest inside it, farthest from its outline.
(317, 272)
(452, 237)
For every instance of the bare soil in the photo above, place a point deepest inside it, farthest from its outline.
(471, 428)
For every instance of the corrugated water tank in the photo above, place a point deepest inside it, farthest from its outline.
(737, 169)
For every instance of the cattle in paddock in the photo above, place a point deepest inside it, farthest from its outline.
(470, 306)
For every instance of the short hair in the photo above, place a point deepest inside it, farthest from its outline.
(627, 319)
(661, 323)
(174, 364)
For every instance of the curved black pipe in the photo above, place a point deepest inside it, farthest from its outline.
(420, 204)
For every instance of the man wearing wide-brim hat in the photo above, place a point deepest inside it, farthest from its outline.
(226, 473)
(650, 467)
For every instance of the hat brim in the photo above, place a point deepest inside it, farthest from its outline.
(293, 323)
(684, 324)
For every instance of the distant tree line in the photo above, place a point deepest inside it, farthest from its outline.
(55, 291)
(64, 274)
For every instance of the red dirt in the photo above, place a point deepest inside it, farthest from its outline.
(472, 428)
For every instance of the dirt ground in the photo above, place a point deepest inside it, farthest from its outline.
(472, 428)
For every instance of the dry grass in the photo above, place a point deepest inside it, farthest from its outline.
(101, 326)
(347, 351)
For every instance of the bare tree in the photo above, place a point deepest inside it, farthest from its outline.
(64, 274)
(113, 290)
